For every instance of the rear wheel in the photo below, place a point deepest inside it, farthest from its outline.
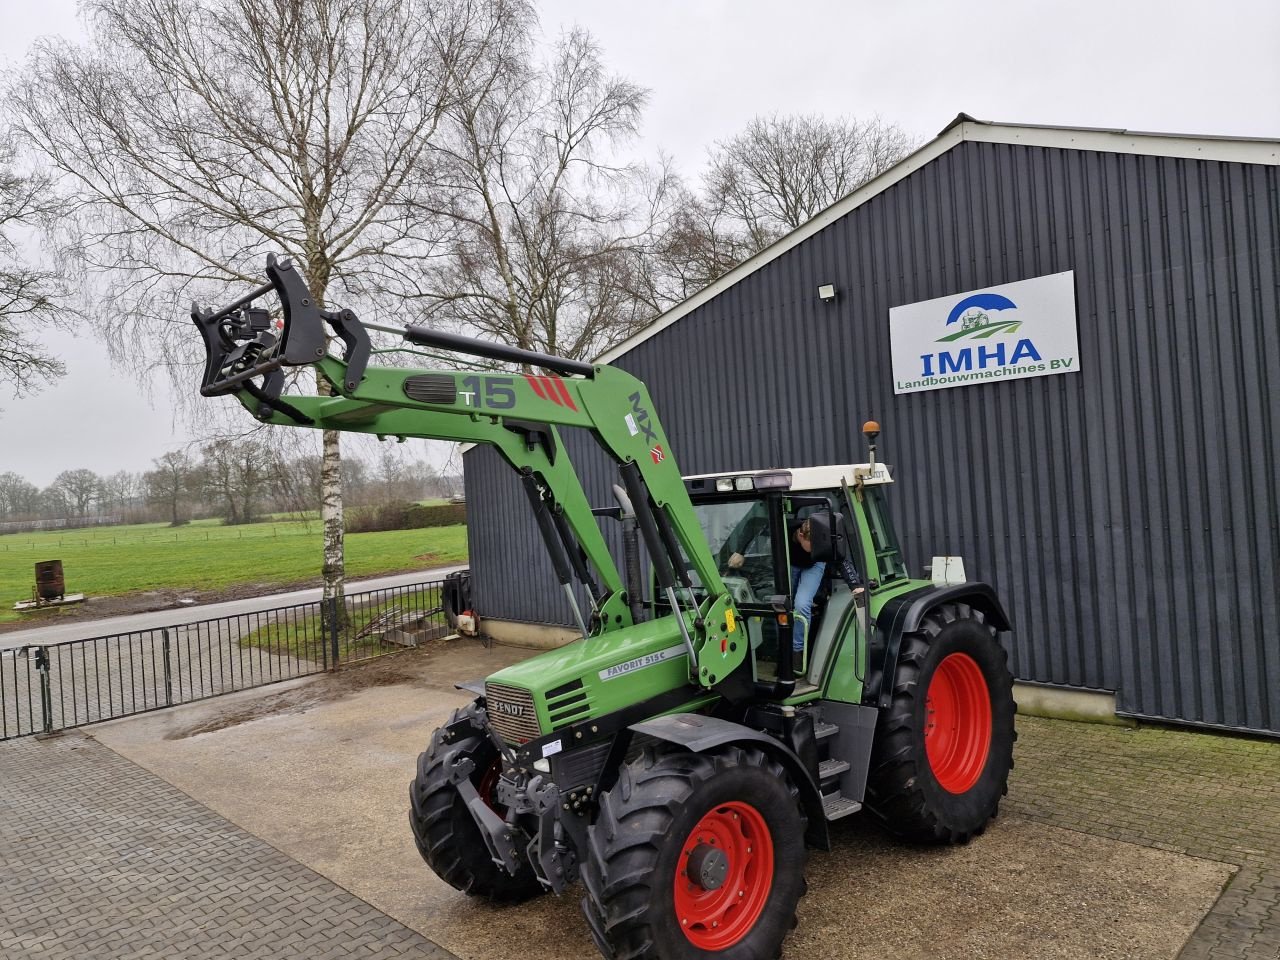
(445, 832)
(693, 855)
(944, 745)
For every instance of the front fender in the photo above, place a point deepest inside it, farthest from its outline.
(698, 733)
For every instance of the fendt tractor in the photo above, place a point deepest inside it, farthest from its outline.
(679, 757)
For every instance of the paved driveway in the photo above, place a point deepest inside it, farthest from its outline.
(102, 859)
(1043, 882)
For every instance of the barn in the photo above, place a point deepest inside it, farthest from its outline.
(1068, 336)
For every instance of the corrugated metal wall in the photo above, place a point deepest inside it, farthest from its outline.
(1129, 514)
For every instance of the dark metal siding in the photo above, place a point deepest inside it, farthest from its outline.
(1128, 514)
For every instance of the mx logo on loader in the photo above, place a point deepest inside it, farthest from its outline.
(638, 421)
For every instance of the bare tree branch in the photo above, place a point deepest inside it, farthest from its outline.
(781, 171)
(191, 137)
(544, 216)
(29, 298)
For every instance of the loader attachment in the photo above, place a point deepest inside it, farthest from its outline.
(244, 342)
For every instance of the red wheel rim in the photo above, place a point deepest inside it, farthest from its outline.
(488, 787)
(717, 919)
(957, 734)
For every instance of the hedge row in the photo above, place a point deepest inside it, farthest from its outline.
(404, 516)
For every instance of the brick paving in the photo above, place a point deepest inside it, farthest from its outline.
(1204, 795)
(101, 860)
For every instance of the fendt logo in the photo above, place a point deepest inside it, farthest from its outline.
(1022, 329)
(510, 709)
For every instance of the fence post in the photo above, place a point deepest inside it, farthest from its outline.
(333, 632)
(168, 674)
(46, 697)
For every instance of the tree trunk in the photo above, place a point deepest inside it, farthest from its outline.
(334, 565)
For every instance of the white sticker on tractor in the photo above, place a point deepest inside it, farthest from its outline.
(639, 663)
(552, 748)
(631, 424)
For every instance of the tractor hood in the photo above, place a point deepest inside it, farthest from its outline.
(586, 678)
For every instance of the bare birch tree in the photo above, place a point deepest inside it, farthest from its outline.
(546, 218)
(29, 297)
(194, 136)
(781, 171)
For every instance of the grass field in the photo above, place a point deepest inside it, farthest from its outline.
(204, 555)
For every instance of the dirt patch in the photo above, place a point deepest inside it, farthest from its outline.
(389, 670)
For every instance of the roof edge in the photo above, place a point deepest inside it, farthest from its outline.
(903, 168)
(966, 127)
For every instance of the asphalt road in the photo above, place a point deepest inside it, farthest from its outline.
(81, 629)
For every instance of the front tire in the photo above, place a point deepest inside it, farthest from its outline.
(445, 832)
(695, 855)
(944, 745)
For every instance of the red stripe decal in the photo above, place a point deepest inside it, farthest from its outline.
(547, 389)
(550, 391)
(564, 393)
(533, 382)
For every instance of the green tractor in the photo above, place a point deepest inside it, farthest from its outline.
(681, 756)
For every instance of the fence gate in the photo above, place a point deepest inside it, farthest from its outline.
(64, 685)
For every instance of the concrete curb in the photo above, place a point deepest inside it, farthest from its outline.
(1064, 703)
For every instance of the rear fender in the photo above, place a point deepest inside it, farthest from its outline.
(903, 615)
(701, 734)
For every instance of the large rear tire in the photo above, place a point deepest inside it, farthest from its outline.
(695, 855)
(944, 745)
(445, 832)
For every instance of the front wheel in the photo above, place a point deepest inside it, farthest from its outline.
(443, 829)
(944, 745)
(695, 854)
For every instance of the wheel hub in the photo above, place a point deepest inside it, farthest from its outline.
(708, 866)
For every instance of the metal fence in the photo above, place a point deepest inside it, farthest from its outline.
(64, 685)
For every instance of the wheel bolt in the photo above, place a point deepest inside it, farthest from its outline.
(684, 923)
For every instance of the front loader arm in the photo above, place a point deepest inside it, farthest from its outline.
(517, 413)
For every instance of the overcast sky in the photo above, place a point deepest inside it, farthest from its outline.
(1182, 67)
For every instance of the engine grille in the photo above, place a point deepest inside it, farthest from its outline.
(511, 712)
(567, 704)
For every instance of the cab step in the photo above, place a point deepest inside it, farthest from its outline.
(828, 769)
(835, 806)
(822, 730)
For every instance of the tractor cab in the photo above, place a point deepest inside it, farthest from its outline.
(795, 613)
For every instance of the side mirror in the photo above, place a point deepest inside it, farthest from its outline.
(822, 526)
